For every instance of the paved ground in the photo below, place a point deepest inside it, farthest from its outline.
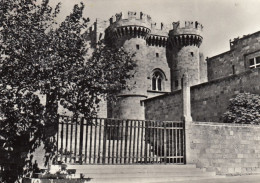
(229, 179)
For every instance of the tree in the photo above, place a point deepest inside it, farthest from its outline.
(23, 39)
(102, 76)
(21, 128)
(37, 55)
(244, 109)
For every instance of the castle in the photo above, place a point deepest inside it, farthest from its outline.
(163, 54)
(176, 95)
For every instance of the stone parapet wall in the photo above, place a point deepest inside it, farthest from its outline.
(208, 100)
(164, 107)
(225, 148)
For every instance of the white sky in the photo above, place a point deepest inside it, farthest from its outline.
(222, 19)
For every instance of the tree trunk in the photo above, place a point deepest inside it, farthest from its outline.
(52, 117)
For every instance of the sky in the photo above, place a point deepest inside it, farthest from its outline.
(222, 19)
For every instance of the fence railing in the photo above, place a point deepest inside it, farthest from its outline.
(115, 141)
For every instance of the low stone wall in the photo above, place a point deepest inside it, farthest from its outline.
(225, 148)
(209, 101)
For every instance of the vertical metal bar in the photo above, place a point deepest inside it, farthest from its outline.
(183, 142)
(81, 140)
(126, 135)
(90, 142)
(86, 140)
(61, 134)
(149, 139)
(130, 141)
(171, 139)
(176, 144)
(95, 140)
(71, 136)
(121, 144)
(142, 134)
(104, 141)
(177, 141)
(137, 145)
(117, 138)
(99, 140)
(180, 146)
(173, 142)
(67, 136)
(76, 139)
(113, 140)
(134, 126)
(109, 141)
(59, 117)
(153, 140)
(146, 142)
(161, 141)
(165, 143)
(156, 141)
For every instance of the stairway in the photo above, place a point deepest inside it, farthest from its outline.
(141, 173)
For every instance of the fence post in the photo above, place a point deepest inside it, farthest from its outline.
(104, 141)
(186, 117)
(164, 143)
(81, 140)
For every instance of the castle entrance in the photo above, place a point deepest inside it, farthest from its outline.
(116, 141)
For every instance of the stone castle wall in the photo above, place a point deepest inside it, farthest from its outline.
(160, 63)
(236, 60)
(208, 100)
(186, 59)
(225, 148)
(152, 44)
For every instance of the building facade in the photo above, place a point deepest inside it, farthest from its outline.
(244, 54)
(162, 53)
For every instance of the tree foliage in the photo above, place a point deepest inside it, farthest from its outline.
(244, 109)
(102, 76)
(39, 55)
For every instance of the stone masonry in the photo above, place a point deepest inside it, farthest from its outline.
(236, 60)
(209, 100)
(225, 148)
(169, 50)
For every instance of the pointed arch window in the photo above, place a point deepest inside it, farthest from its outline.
(157, 80)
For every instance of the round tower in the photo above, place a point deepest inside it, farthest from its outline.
(130, 33)
(183, 52)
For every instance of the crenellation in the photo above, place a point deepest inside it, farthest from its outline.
(112, 20)
(132, 15)
(170, 49)
(119, 16)
(193, 25)
(145, 17)
(187, 25)
(153, 25)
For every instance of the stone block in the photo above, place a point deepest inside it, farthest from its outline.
(231, 170)
(240, 155)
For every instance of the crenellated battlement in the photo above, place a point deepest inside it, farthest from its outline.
(134, 25)
(186, 33)
(187, 25)
(122, 18)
